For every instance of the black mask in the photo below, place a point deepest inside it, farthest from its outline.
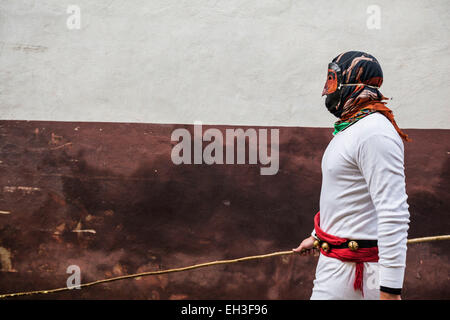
(332, 101)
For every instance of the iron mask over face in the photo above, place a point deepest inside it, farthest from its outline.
(332, 89)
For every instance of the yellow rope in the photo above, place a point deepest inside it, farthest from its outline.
(429, 239)
(196, 266)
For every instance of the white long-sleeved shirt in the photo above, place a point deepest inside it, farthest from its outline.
(363, 192)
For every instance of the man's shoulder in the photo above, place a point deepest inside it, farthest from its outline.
(373, 121)
(374, 128)
(375, 124)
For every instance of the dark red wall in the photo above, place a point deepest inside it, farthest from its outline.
(149, 214)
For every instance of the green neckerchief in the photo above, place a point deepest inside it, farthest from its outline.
(341, 125)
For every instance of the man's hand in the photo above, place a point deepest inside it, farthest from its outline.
(389, 296)
(306, 248)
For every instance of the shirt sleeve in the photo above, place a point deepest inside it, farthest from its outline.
(381, 161)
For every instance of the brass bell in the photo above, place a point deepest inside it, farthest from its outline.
(316, 244)
(325, 247)
(353, 245)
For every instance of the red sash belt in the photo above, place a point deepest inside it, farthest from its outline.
(359, 256)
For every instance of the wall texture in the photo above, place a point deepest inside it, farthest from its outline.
(245, 62)
(149, 214)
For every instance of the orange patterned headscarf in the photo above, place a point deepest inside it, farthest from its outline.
(358, 78)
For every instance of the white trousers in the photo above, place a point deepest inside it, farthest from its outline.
(334, 280)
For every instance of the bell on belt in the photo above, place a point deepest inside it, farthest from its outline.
(316, 244)
(325, 247)
(353, 245)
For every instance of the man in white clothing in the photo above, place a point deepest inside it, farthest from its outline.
(361, 230)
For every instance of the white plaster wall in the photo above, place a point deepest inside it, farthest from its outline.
(240, 62)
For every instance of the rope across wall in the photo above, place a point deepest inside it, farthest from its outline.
(196, 266)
